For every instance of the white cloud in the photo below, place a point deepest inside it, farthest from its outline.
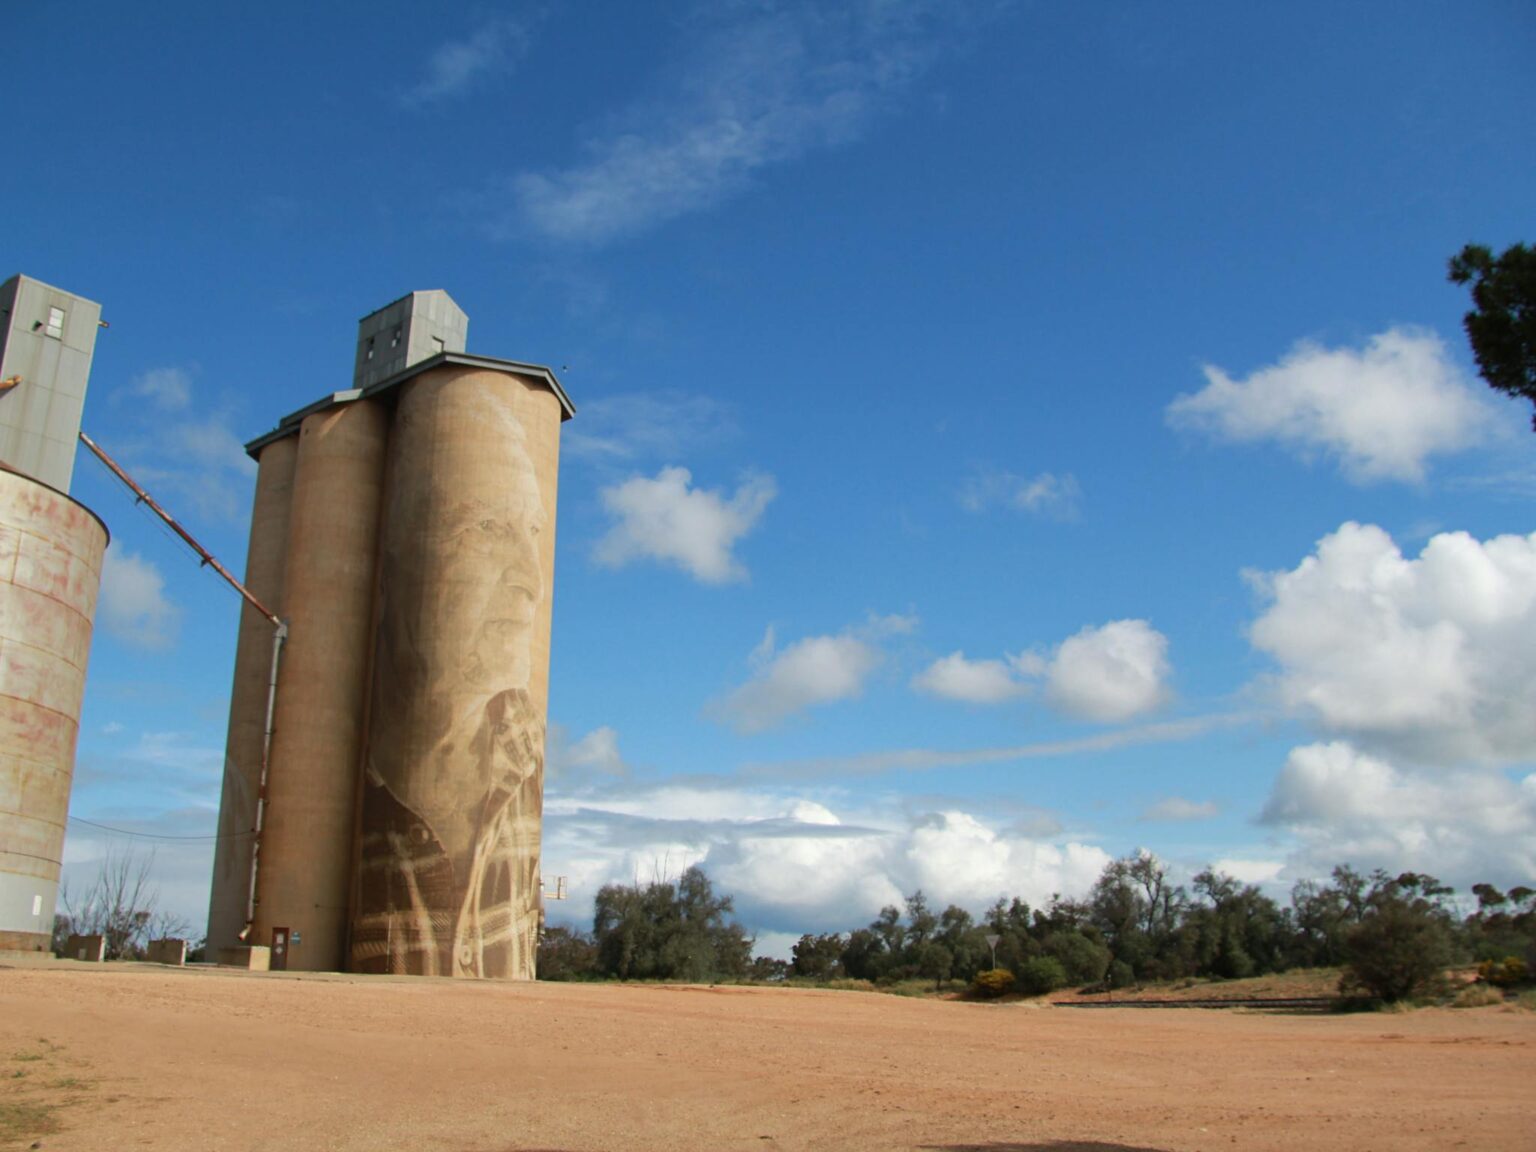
(695, 529)
(953, 677)
(1111, 673)
(1245, 871)
(811, 672)
(593, 756)
(169, 389)
(762, 86)
(133, 605)
(1055, 497)
(1346, 806)
(190, 460)
(1177, 808)
(1433, 658)
(794, 864)
(1383, 410)
(646, 425)
(458, 65)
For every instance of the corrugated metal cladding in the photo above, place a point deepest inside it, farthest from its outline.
(51, 550)
(407, 537)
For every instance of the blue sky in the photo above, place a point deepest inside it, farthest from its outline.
(1008, 435)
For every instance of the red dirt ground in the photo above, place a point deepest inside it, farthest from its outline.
(126, 1056)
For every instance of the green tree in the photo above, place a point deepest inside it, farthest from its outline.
(566, 954)
(669, 932)
(1502, 324)
(817, 957)
(1403, 943)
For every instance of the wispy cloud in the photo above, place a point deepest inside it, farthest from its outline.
(456, 66)
(169, 389)
(646, 426)
(930, 759)
(134, 606)
(1051, 495)
(760, 85)
(1178, 809)
(181, 451)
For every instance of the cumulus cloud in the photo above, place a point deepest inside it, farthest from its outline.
(808, 673)
(1343, 804)
(1382, 410)
(459, 65)
(1177, 808)
(760, 85)
(1432, 658)
(133, 605)
(953, 677)
(795, 864)
(1046, 494)
(668, 520)
(1111, 673)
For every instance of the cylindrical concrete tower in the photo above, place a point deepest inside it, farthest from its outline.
(266, 560)
(306, 860)
(50, 573)
(448, 879)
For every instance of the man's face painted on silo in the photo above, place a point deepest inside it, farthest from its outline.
(491, 575)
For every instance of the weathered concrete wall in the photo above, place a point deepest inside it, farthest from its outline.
(306, 864)
(266, 563)
(167, 951)
(255, 957)
(453, 774)
(50, 572)
(92, 949)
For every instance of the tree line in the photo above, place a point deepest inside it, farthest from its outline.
(1394, 936)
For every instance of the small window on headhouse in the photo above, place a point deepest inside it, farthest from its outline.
(394, 341)
(55, 326)
(370, 348)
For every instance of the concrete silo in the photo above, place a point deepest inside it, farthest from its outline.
(266, 559)
(51, 552)
(406, 771)
(453, 778)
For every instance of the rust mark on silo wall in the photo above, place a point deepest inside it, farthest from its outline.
(51, 550)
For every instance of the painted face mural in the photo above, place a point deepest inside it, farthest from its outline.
(452, 791)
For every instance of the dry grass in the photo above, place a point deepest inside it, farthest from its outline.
(1477, 996)
(30, 1106)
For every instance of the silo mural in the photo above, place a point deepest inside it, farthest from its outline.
(410, 739)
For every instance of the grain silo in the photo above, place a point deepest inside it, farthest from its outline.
(51, 551)
(416, 552)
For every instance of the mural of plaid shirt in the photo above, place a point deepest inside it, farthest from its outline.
(418, 913)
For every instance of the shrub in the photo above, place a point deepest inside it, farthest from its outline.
(1041, 974)
(1505, 973)
(1402, 945)
(1477, 996)
(992, 983)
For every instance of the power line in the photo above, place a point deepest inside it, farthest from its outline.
(159, 835)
